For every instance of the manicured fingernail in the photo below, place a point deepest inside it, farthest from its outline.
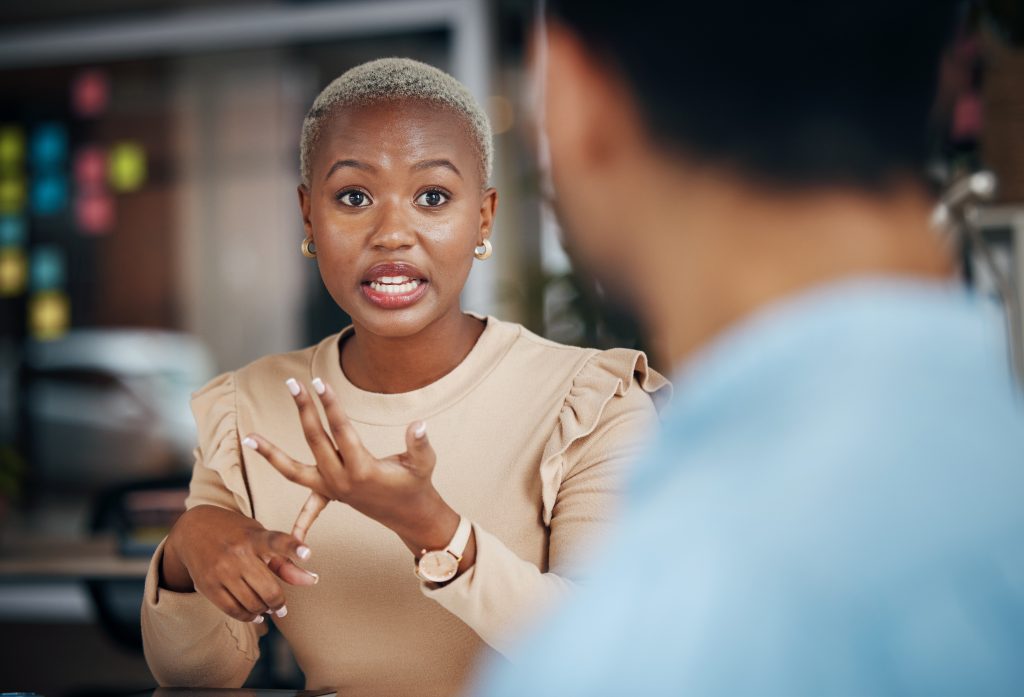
(258, 619)
(293, 386)
(316, 577)
(420, 430)
(250, 443)
(319, 386)
(282, 612)
(303, 552)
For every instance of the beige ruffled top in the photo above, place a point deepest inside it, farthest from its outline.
(531, 439)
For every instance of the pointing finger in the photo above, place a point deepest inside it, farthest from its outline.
(292, 574)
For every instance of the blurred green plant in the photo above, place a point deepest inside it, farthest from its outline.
(12, 473)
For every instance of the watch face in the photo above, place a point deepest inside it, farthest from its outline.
(438, 566)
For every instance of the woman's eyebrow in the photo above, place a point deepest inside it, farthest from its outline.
(427, 164)
(349, 163)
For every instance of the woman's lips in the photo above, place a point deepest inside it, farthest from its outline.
(393, 285)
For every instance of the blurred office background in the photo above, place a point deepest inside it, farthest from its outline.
(149, 239)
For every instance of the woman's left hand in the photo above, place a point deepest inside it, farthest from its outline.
(396, 491)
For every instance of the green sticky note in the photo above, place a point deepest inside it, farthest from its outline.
(126, 166)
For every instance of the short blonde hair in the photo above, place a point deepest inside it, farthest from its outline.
(396, 79)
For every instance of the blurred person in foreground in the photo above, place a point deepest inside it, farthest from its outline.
(448, 466)
(835, 504)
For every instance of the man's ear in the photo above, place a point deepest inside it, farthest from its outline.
(305, 204)
(488, 209)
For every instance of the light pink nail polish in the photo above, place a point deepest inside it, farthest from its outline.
(319, 386)
(250, 443)
(293, 386)
(303, 551)
(282, 612)
(316, 577)
(421, 430)
(258, 619)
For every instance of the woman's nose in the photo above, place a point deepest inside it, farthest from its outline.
(394, 230)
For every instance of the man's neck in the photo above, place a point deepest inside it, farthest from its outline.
(722, 252)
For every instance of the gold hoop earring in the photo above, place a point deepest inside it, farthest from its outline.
(308, 248)
(488, 249)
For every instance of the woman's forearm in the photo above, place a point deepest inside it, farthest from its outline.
(173, 574)
(500, 595)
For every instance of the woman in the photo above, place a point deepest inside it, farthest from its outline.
(509, 446)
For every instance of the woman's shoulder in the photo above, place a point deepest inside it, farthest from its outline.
(588, 373)
(612, 394)
(270, 370)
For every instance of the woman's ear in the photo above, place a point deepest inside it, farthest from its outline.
(488, 209)
(305, 203)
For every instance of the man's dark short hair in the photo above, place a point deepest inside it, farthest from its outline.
(792, 93)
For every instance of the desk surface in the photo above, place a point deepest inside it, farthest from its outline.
(42, 558)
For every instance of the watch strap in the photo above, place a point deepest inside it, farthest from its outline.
(460, 539)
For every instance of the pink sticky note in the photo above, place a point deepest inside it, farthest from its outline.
(94, 212)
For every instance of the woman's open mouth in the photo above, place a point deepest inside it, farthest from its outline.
(394, 285)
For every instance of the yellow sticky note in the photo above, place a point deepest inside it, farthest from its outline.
(12, 146)
(12, 194)
(13, 271)
(49, 314)
(126, 166)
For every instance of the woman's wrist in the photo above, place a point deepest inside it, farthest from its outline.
(432, 527)
(434, 530)
(173, 574)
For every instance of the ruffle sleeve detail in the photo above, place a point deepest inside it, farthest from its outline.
(605, 376)
(216, 416)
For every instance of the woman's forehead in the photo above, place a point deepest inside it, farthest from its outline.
(396, 132)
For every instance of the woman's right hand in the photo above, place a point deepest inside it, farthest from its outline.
(233, 561)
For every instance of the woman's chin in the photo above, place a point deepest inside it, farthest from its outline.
(395, 322)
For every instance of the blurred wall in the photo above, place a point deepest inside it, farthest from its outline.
(240, 275)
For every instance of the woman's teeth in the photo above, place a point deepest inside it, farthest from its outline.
(394, 285)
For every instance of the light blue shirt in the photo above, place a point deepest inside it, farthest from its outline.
(835, 506)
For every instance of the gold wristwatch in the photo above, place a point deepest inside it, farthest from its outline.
(441, 565)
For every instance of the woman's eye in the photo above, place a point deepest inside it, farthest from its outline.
(356, 199)
(431, 199)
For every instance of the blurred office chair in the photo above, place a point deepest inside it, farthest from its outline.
(138, 514)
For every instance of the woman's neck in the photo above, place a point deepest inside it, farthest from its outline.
(391, 365)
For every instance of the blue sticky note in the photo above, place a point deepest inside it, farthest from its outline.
(47, 268)
(49, 145)
(12, 231)
(49, 193)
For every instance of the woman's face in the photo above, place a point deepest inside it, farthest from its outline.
(395, 207)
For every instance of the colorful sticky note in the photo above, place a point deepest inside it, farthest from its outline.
(90, 167)
(49, 145)
(47, 272)
(49, 193)
(12, 146)
(94, 212)
(12, 194)
(13, 271)
(127, 163)
(13, 231)
(49, 314)
(90, 93)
